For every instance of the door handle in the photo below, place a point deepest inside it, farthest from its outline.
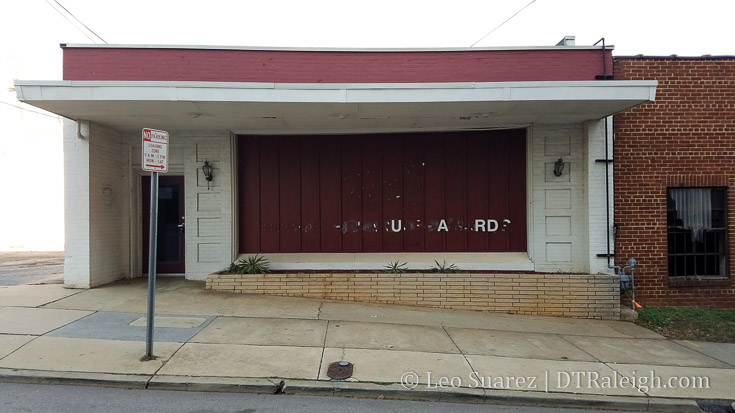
(182, 225)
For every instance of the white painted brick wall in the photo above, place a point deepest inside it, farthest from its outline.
(209, 238)
(96, 221)
(596, 195)
(209, 248)
(76, 208)
(108, 201)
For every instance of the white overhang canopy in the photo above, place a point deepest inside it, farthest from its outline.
(282, 108)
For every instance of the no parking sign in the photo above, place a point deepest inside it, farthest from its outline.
(155, 150)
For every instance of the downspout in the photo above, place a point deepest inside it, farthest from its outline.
(607, 194)
(625, 281)
(606, 160)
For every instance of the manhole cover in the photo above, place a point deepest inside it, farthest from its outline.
(340, 370)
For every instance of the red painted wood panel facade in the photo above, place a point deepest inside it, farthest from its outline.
(419, 192)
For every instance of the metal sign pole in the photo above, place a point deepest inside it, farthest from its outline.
(152, 243)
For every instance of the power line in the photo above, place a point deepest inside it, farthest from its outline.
(29, 110)
(70, 22)
(80, 22)
(506, 21)
(75, 18)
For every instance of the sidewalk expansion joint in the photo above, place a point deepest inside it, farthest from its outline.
(59, 299)
(163, 363)
(324, 348)
(702, 353)
(472, 369)
(636, 386)
(577, 347)
(35, 337)
(93, 312)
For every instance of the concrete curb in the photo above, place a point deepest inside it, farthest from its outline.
(396, 391)
(390, 391)
(125, 381)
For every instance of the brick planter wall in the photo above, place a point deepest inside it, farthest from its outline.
(685, 138)
(567, 295)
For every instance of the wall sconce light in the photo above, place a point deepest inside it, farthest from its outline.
(207, 170)
(558, 167)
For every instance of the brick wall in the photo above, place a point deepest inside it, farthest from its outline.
(108, 205)
(96, 197)
(568, 295)
(685, 138)
(290, 66)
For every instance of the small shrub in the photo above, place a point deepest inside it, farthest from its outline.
(254, 264)
(396, 267)
(443, 268)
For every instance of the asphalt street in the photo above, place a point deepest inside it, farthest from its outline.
(74, 399)
(20, 268)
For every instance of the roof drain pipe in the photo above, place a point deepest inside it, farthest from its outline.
(607, 160)
(626, 282)
(82, 127)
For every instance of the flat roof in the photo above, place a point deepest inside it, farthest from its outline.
(327, 49)
(283, 108)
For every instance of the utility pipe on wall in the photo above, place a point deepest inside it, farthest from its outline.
(607, 160)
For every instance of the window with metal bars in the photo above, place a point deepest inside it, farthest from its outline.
(697, 232)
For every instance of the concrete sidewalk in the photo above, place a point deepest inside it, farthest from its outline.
(238, 342)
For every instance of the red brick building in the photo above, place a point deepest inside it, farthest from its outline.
(675, 181)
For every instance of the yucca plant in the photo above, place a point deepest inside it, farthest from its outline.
(396, 267)
(254, 264)
(444, 268)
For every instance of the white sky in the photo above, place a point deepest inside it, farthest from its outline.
(31, 158)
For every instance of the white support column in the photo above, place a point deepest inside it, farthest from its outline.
(76, 208)
(596, 189)
(95, 206)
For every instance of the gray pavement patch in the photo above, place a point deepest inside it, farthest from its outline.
(117, 326)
